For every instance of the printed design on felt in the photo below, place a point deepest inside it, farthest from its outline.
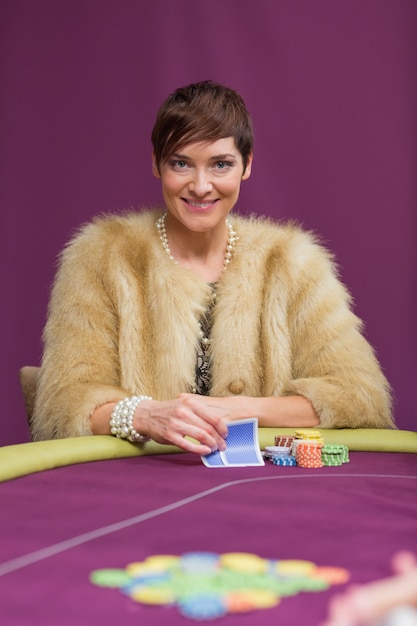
(207, 585)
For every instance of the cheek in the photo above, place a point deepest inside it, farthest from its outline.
(231, 187)
(170, 184)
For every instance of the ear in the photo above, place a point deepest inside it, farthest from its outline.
(155, 169)
(248, 169)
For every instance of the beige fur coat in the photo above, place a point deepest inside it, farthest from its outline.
(123, 319)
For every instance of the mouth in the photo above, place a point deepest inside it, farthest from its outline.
(207, 204)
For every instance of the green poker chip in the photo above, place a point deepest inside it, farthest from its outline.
(110, 578)
(332, 448)
(333, 454)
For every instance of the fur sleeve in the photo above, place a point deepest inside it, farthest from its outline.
(79, 368)
(333, 364)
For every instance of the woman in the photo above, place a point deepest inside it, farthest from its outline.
(168, 324)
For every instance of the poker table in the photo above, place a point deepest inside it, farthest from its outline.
(72, 507)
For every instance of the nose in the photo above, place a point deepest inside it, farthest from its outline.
(201, 184)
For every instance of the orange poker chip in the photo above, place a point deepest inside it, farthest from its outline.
(310, 464)
(251, 599)
(308, 454)
(332, 575)
(238, 602)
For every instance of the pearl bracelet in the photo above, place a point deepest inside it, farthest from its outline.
(121, 420)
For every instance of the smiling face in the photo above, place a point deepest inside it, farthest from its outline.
(201, 182)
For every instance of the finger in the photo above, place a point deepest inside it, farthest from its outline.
(216, 417)
(403, 562)
(173, 430)
(341, 609)
(183, 443)
(192, 446)
(201, 423)
(195, 428)
(186, 417)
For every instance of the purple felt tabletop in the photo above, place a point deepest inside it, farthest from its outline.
(57, 526)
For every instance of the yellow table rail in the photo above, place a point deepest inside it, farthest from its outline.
(27, 458)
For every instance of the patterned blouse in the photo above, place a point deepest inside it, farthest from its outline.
(202, 370)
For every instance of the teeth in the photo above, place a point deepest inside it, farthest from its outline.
(200, 205)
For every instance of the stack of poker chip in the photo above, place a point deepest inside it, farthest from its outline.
(335, 454)
(280, 455)
(306, 447)
(306, 436)
(281, 440)
(308, 454)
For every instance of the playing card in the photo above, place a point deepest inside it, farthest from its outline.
(242, 446)
(215, 459)
(242, 443)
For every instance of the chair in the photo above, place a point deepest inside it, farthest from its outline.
(28, 382)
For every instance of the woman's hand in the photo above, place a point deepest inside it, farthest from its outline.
(204, 418)
(172, 421)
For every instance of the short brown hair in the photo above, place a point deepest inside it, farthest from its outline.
(204, 111)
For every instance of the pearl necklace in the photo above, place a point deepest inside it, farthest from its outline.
(230, 245)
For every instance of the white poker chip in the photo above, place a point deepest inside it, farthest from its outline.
(277, 449)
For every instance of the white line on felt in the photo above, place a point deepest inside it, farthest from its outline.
(39, 555)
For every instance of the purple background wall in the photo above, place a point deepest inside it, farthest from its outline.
(332, 91)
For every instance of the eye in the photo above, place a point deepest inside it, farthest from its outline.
(223, 165)
(178, 164)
